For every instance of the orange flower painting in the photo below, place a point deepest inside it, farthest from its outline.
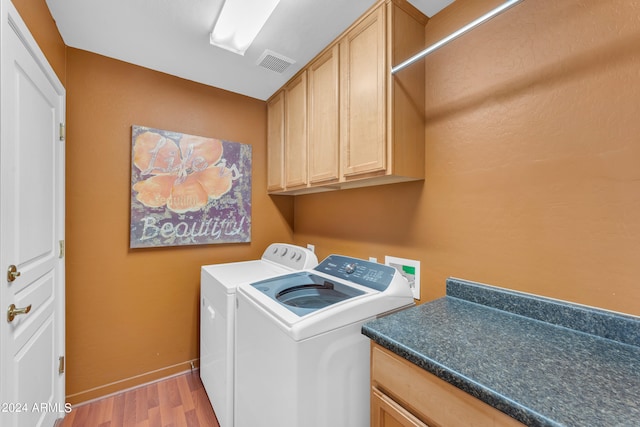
(183, 189)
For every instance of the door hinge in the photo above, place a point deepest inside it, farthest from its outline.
(61, 365)
(62, 132)
(61, 255)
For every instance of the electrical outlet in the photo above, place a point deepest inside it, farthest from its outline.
(408, 268)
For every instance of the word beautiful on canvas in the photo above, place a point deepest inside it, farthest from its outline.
(188, 190)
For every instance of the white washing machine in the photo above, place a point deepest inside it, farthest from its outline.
(218, 284)
(301, 359)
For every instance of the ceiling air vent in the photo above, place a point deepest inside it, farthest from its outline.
(274, 61)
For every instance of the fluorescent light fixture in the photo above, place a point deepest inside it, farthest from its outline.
(239, 23)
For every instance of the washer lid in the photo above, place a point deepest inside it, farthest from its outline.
(303, 293)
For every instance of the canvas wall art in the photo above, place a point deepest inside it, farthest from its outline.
(188, 190)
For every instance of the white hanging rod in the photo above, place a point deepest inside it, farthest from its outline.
(484, 18)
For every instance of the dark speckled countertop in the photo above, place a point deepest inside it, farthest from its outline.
(542, 361)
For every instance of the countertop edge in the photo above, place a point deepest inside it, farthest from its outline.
(486, 395)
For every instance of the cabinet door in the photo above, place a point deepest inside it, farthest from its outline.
(275, 143)
(387, 413)
(323, 118)
(295, 153)
(362, 96)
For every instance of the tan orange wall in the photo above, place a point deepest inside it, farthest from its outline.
(532, 151)
(42, 27)
(130, 312)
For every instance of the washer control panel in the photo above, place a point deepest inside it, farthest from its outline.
(292, 256)
(365, 273)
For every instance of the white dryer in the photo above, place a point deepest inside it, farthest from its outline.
(218, 285)
(301, 359)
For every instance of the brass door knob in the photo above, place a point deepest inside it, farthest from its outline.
(12, 273)
(13, 311)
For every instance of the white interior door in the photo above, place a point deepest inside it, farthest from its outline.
(31, 229)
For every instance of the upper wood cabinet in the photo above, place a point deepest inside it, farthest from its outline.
(295, 125)
(362, 125)
(324, 132)
(362, 101)
(275, 143)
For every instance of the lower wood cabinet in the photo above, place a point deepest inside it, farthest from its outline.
(385, 412)
(403, 394)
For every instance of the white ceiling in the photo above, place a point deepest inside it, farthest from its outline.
(172, 36)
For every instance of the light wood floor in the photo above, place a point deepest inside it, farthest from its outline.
(179, 401)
